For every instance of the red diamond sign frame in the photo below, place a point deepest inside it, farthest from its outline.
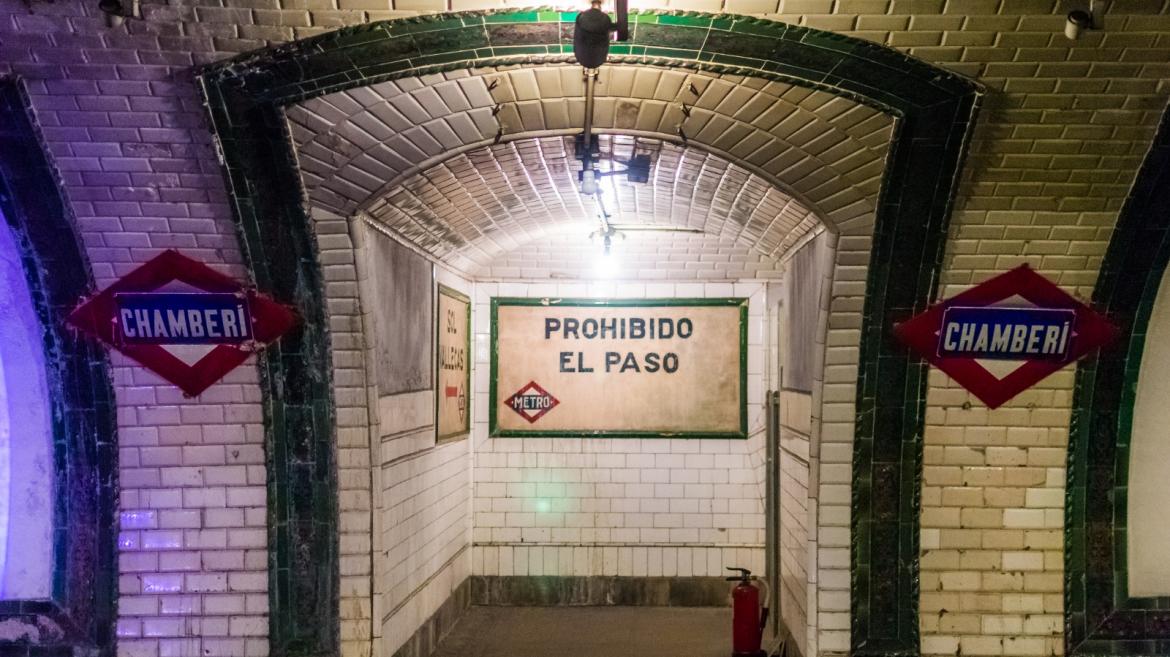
(515, 402)
(98, 316)
(923, 333)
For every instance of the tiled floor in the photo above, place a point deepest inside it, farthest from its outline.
(590, 632)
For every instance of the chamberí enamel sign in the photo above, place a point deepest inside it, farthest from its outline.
(183, 320)
(610, 367)
(1005, 335)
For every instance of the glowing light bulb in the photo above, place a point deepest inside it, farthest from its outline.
(589, 182)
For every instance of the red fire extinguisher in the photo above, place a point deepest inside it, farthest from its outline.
(748, 618)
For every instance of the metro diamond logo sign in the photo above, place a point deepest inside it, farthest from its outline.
(1003, 336)
(531, 402)
(183, 320)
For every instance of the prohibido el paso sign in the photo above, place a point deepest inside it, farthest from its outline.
(655, 367)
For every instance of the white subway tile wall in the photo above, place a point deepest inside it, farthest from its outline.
(192, 544)
(796, 518)
(618, 506)
(421, 492)
(829, 150)
(342, 278)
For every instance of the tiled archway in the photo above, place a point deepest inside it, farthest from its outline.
(1100, 616)
(247, 97)
(78, 616)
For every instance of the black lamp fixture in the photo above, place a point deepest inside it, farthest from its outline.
(638, 169)
(1079, 20)
(117, 11)
(592, 32)
(591, 36)
(593, 29)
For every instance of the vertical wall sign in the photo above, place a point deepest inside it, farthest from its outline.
(453, 383)
(1004, 335)
(183, 320)
(593, 367)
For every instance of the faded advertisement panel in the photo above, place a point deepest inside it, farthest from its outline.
(803, 278)
(403, 311)
(454, 365)
(657, 367)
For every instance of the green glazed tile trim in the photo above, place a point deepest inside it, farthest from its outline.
(295, 375)
(280, 69)
(83, 599)
(1100, 617)
(938, 109)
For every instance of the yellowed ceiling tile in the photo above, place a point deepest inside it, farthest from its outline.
(670, 85)
(556, 114)
(548, 81)
(453, 97)
(524, 84)
(531, 115)
(616, 81)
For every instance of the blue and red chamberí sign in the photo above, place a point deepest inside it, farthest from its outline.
(1003, 336)
(183, 320)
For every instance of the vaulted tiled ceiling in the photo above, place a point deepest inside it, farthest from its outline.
(472, 164)
(494, 199)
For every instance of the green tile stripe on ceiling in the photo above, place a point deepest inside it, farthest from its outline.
(404, 40)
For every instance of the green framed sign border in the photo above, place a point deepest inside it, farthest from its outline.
(454, 437)
(742, 302)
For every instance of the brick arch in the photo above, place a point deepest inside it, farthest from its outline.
(247, 97)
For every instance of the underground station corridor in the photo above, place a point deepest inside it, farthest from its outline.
(692, 328)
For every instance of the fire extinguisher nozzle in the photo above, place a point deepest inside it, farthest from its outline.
(743, 576)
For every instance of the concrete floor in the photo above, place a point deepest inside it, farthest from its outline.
(590, 632)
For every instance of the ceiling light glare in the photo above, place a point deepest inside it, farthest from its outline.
(606, 265)
(607, 195)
